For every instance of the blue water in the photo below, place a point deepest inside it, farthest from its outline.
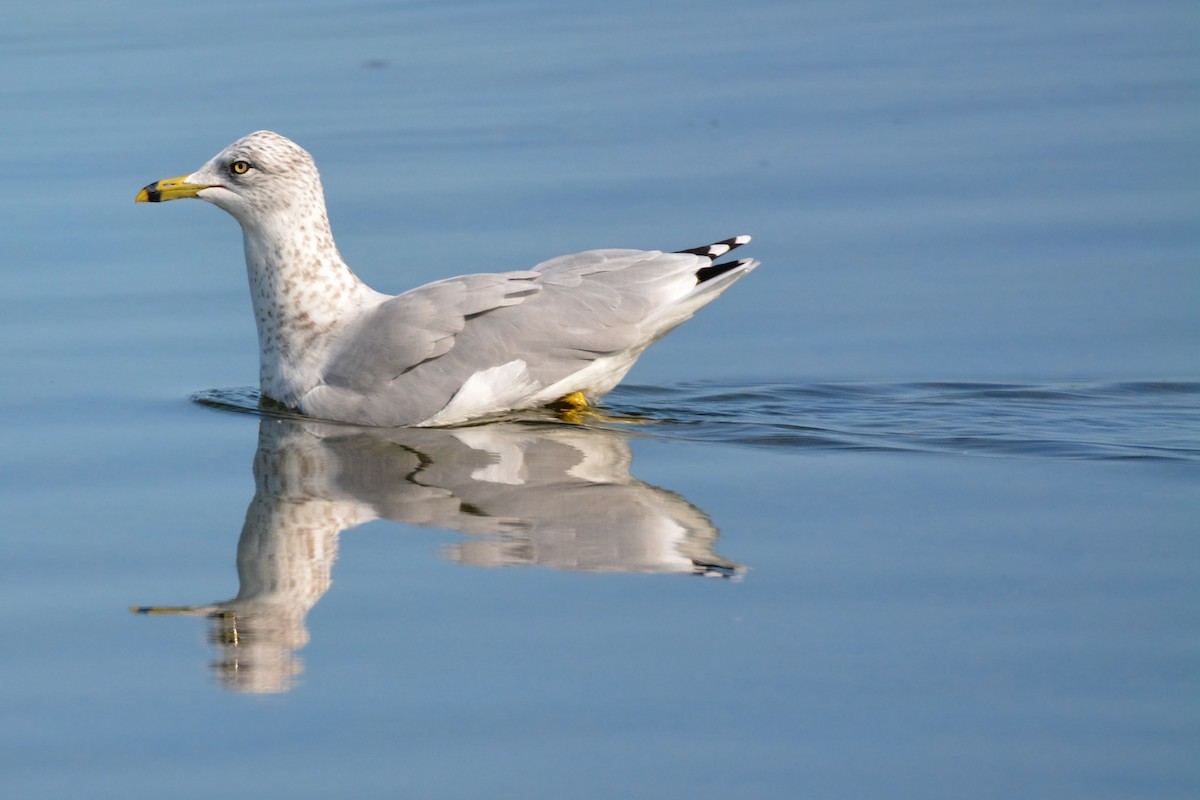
(910, 512)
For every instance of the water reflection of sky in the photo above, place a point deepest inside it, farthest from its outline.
(968, 193)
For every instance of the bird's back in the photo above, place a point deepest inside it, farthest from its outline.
(461, 348)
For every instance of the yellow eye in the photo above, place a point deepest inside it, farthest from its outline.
(239, 167)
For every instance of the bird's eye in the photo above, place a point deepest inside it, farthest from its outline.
(239, 167)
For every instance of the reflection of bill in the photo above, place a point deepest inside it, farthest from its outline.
(557, 496)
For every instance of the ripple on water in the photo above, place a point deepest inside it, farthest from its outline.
(1068, 420)
(1104, 421)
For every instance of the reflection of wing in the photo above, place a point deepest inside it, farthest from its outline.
(607, 529)
(555, 496)
(570, 503)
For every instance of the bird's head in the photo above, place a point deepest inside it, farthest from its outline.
(255, 178)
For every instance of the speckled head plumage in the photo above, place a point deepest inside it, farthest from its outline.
(261, 174)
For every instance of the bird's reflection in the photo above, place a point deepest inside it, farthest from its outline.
(557, 496)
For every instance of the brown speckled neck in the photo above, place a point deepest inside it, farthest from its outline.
(300, 287)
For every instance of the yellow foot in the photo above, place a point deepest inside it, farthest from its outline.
(575, 401)
(575, 409)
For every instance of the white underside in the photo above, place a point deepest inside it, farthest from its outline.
(595, 380)
(487, 392)
(509, 387)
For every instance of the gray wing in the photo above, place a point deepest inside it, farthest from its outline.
(403, 361)
(591, 304)
(412, 329)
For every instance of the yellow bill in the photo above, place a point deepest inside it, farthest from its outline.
(169, 189)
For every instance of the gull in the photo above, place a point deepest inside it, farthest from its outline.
(563, 332)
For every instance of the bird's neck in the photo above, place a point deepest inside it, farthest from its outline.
(300, 288)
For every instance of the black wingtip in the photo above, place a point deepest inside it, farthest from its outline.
(717, 249)
(716, 270)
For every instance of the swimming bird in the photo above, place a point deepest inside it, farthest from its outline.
(564, 331)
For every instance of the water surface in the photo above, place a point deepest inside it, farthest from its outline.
(910, 512)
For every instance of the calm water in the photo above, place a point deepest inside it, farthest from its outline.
(910, 512)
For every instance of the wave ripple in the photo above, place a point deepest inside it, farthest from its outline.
(1159, 421)
(1099, 421)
